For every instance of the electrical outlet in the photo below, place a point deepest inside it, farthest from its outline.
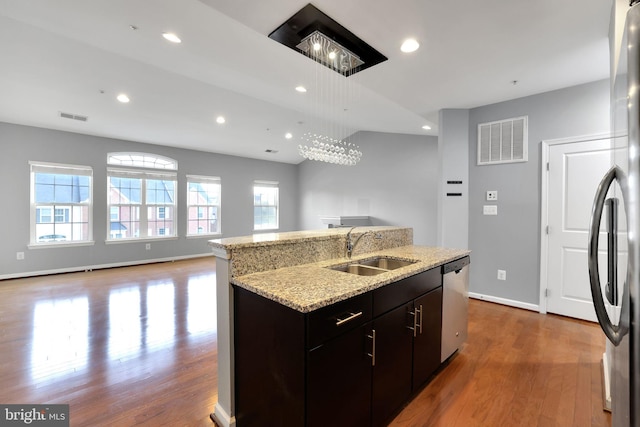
(148, 246)
(490, 210)
(492, 195)
(502, 275)
(19, 256)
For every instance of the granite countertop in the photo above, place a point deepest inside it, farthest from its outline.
(308, 287)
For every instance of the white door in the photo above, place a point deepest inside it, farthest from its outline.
(575, 170)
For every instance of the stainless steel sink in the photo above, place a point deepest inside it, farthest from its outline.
(360, 270)
(373, 266)
(386, 263)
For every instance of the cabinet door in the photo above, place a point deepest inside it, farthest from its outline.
(426, 345)
(392, 370)
(339, 381)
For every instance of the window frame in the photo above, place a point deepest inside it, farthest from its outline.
(144, 219)
(201, 179)
(267, 184)
(68, 208)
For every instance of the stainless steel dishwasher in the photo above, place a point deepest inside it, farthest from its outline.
(455, 306)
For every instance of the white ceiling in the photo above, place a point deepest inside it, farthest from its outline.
(75, 56)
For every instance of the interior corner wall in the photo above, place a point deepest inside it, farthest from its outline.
(21, 144)
(510, 241)
(453, 179)
(395, 183)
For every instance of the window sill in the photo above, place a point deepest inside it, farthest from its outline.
(205, 236)
(60, 244)
(140, 240)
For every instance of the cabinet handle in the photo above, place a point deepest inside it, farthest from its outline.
(348, 318)
(372, 355)
(415, 326)
(420, 311)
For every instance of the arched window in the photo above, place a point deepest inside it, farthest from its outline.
(141, 196)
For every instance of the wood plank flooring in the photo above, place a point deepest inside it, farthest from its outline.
(136, 346)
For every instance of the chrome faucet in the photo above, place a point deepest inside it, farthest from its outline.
(352, 245)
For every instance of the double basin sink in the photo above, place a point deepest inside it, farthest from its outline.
(372, 266)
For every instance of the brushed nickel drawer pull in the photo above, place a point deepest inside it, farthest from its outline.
(415, 326)
(349, 318)
(372, 355)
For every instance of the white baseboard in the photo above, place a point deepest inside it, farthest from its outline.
(99, 266)
(505, 301)
(222, 418)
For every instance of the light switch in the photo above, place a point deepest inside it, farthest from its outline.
(490, 210)
(492, 195)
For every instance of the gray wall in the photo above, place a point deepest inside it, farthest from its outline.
(20, 144)
(395, 183)
(511, 240)
(453, 154)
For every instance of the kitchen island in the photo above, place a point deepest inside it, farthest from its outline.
(276, 294)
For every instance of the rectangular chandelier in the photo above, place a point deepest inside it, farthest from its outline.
(316, 35)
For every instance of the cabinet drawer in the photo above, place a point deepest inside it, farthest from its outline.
(395, 294)
(328, 322)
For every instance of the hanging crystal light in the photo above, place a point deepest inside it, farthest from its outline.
(329, 52)
(326, 149)
(319, 145)
(319, 37)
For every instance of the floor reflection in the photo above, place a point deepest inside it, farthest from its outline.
(201, 305)
(60, 337)
(124, 322)
(160, 323)
(133, 321)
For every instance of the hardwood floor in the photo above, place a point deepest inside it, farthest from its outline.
(518, 368)
(132, 346)
(136, 346)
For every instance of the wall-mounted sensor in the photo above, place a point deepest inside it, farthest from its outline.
(492, 195)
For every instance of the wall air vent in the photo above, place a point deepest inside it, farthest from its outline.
(504, 141)
(74, 117)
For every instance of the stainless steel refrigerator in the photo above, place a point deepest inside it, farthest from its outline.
(616, 215)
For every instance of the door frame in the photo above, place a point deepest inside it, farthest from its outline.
(544, 206)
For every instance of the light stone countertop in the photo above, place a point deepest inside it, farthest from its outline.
(308, 287)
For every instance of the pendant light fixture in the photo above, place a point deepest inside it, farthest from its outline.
(315, 35)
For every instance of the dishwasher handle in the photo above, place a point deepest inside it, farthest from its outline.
(456, 266)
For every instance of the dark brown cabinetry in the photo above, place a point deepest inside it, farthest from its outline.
(407, 340)
(354, 363)
(427, 341)
(392, 370)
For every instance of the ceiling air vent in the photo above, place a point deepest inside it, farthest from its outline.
(74, 117)
(504, 141)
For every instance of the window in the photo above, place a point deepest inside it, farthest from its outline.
(203, 205)
(61, 203)
(142, 160)
(142, 202)
(265, 205)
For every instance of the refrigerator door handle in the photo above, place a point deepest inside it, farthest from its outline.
(611, 290)
(613, 332)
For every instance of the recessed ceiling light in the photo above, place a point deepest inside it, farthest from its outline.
(288, 135)
(123, 98)
(301, 89)
(409, 45)
(426, 127)
(220, 119)
(172, 37)
(332, 55)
